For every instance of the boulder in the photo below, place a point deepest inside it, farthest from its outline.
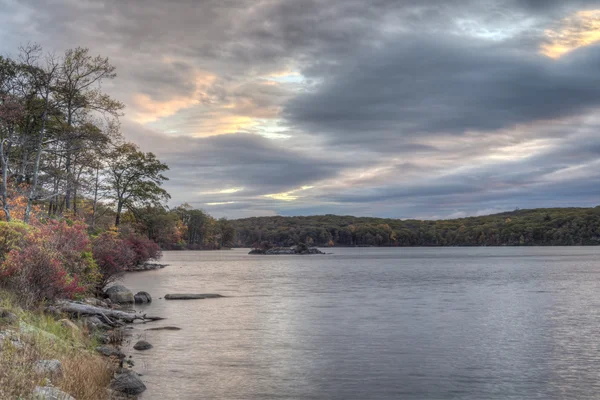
(188, 296)
(6, 317)
(93, 323)
(142, 298)
(119, 294)
(128, 382)
(50, 393)
(142, 345)
(50, 368)
(110, 351)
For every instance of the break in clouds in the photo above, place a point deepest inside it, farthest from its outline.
(429, 109)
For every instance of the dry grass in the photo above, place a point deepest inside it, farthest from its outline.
(86, 375)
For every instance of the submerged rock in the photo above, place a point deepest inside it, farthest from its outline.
(142, 345)
(119, 294)
(51, 368)
(146, 267)
(188, 296)
(50, 393)
(164, 328)
(142, 298)
(128, 382)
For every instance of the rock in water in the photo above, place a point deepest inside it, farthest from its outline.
(51, 368)
(50, 393)
(188, 296)
(128, 382)
(164, 328)
(119, 294)
(142, 298)
(142, 345)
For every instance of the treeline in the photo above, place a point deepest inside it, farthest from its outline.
(181, 228)
(552, 226)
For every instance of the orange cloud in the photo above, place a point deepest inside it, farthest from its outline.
(579, 30)
(150, 110)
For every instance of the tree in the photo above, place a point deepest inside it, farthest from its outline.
(77, 94)
(135, 178)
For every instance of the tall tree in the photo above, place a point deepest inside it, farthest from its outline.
(78, 93)
(135, 178)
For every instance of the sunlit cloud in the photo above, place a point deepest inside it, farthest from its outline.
(220, 203)
(578, 30)
(146, 109)
(224, 191)
(288, 196)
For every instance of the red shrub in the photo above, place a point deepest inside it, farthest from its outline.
(144, 249)
(37, 273)
(48, 261)
(112, 255)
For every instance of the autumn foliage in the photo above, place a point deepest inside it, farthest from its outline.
(47, 261)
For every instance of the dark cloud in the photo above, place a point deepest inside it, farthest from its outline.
(438, 86)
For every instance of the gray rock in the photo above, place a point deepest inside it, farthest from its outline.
(6, 317)
(51, 368)
(119, 294)
(50, 393)
(11, 338)
(110, 351)
(188, 296)
(142, 298)
(142, 345)
(128, 382)
(93, 323)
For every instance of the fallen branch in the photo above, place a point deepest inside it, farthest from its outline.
(106, 315)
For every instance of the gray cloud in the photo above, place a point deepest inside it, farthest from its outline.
(437, 86)
(397, 108)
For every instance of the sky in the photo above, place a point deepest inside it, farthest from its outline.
(402, 109)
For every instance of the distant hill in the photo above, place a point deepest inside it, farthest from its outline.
(542, 226)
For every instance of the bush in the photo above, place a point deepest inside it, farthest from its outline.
(112, 255)
(46, 262)
(12, 236)
(144, 249)
(36, 273)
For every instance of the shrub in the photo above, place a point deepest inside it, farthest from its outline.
(36, 273)
(144, 249)
(112, 255)
(48, 261)
(12, 236)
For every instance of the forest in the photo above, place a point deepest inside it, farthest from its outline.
(536, 227)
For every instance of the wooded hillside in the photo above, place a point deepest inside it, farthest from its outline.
(544, 226)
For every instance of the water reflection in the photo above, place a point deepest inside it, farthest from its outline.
(452, 323)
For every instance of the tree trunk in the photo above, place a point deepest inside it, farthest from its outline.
(95, 199)
(36, 167)
(4, 160)
(119, 209)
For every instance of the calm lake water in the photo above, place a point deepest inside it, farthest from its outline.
(376, 323)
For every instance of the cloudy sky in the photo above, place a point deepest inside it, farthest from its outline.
(405, 109)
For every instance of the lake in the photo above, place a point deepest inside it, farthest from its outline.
(375, 323)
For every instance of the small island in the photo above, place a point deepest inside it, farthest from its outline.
(300, 249)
